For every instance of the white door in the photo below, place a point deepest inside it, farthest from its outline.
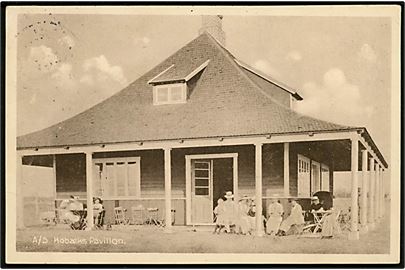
(315, 177)
(325, 177)
(304, 185)
(201, 191)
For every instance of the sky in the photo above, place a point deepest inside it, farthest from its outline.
(339, 65)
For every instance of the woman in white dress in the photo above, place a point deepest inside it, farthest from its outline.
(274, 214)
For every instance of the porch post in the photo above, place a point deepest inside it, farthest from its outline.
(89, 189)
(55, 202)
(371, 194)
(382, 194)
(286, 169)
(354, 233)
(168, 190)
(19, 194)
(376, 190)
(258, 174)
(235, 179)
(380, 205)
(188, 191)
(363, 212)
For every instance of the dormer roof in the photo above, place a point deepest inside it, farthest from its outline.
(179, 73)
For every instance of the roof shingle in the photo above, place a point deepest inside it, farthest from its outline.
(222, 92)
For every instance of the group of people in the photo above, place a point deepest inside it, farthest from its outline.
(72, 211)
(235, 217)
(240, 217)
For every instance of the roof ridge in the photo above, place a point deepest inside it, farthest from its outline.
(232, 58)
(269, 79)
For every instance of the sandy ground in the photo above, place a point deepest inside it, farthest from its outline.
(184, 240)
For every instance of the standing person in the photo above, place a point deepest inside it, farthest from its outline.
(295, 218)
(274, 216)
(229, 212)
(98, 212)
(219, 216)
(243, 225)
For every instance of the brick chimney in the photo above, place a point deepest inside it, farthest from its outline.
(212, 24)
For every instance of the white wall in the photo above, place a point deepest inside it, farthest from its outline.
(38, 191)
(38, 181)
(342, 183)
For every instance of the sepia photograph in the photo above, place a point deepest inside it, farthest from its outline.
(203, 134)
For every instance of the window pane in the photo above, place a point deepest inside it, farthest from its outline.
(201, 165)
(121, 175)
(176, 93)
(109, 180)
(201, 173)
(201, 182)
(162, 94)
(201, 191)
(97, 183)
(133, 178)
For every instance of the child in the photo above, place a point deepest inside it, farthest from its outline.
(98, 209)
(219, 216)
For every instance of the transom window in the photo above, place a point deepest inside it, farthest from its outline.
(169, 93)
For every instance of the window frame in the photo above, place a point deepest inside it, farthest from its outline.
(170, 99)
(126, 161)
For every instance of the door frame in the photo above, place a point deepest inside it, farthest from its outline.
(317, 164)
(188, 158)
(308, 161)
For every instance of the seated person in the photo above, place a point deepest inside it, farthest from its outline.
(251, 215)
(73, 207)
(295, 218)
(316, 205)
(75, 204)
(63, 211)
(274, 213)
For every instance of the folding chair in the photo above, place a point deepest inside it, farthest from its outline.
(314, 229)
(120, 216)
(153, 217)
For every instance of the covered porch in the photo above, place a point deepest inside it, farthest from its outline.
(188, 176)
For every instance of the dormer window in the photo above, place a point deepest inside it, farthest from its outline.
(169, 93)
(170, 85)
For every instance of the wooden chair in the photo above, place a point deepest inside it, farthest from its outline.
(120, 216)
(314, 229)
(153, 217)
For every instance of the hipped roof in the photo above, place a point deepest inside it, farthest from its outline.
(223, 102)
